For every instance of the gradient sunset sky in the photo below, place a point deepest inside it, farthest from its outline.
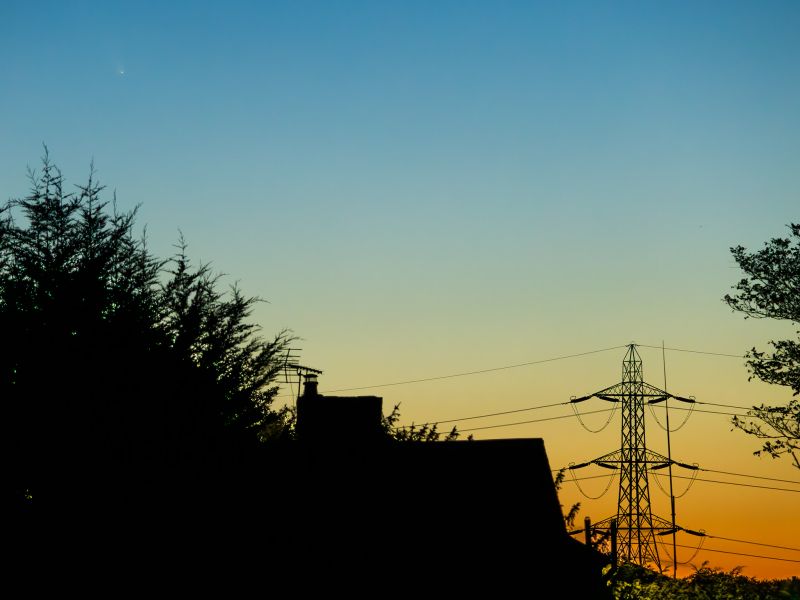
(421, 189)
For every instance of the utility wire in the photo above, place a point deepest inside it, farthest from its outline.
(725, 405)
(533, 421)
(719, 537)
(707, 470)
(728, 551)
(763, 487)
(530, 408)
(692, 351)
(749, 485)
(743, 554)
(525, 364)
(582, 478)
(699, 469)
(751, 476)
(464, 374)
(711, 353)
(710, 412)
(497, 414)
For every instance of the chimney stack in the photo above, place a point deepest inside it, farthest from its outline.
(310, 385)
(339, 420)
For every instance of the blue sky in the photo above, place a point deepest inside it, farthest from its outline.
(423, 188)
(441, 176)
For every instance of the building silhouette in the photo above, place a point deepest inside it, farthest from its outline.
(449, 516)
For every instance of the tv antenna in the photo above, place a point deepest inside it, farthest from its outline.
(292, 368)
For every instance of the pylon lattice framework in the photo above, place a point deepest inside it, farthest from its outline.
(636, 525)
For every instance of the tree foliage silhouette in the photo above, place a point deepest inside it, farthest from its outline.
(771, 289)
(427, 432)
(117, 366)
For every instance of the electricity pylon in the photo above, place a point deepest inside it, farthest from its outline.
(635, 523)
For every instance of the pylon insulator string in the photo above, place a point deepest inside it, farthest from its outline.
(580, 489)
(586, 427)
(657, 476)
(664, 427)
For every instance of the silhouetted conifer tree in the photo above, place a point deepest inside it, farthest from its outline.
(119, 372)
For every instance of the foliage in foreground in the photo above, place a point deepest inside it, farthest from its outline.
(427, 432)
(631, 582)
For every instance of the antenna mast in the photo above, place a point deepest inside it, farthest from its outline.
(291, 366)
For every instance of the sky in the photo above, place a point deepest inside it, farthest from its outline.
(425, 189)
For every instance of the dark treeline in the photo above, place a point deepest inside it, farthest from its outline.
(122, 375)
(138, 408)
(130, 383)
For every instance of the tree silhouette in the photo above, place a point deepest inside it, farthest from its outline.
(427, 432)
(116, 367)
(771, 289)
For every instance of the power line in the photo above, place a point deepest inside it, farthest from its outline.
(525, 364)
(455, 420)
(692, 351)
(584, 478)
(534, 420)
(530, 408)
(762, 487)
(464, 374)
(592, 412)
(751, 476)
(699, 469)
(725, 405)
(497, 414)
(754, 543)
(770, 359)
(719, 537)
(518, 365)
(749, 485)
(708, 412)
(742, 554)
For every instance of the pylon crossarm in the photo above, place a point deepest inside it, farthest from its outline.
(618, 391)
(689, 400)
(694, 467)
(623, 389)
(608, 397)
(660, 466)
(575, 400)
(616, 458)
(611, 394)
(657, 400)
(578, 466)
(664, 465)
(655, 457)
(672, 397)
(657, 524)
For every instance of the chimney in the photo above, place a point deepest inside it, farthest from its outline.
(339, 420)
(310, 385)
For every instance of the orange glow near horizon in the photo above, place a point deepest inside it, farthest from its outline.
(745, 509)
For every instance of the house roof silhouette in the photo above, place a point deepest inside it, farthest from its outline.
(452, 514)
